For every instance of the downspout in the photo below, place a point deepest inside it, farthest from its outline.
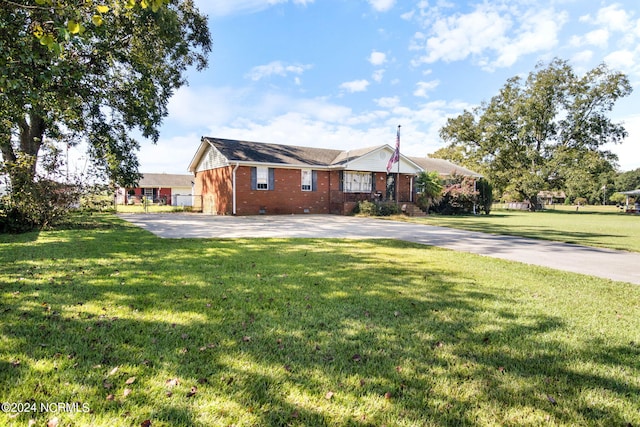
(233, 189)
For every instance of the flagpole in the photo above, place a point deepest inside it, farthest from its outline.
(398, 173)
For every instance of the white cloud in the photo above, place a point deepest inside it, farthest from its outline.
(377, 58)
(423, 88)
(582, 57)
(382, 5)
(276, 68)
(458, 36)
(494, 36)
(614, 18)
(388, 102)
(355, 86)
(377, 76)
(621, 59)
(629, 151)
(537, 32)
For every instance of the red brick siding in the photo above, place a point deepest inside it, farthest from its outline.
(287, 196)
(215, 188)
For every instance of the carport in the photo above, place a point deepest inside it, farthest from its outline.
(633, 193)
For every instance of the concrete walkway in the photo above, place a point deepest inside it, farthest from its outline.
(609, 264)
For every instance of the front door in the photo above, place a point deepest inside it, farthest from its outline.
(391, 187)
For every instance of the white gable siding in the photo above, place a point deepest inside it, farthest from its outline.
(212, 159)
(377, 160)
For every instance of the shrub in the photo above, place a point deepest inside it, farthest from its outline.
(387, 209)
(366, 208)
(580, 201)
(376, 209)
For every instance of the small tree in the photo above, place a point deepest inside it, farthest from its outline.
(485, 195)
(459, 195)
(429, 188)
(37, 201)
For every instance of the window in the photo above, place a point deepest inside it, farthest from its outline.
(307, 179)
(262, 178)
(148, 193)
(357, 182)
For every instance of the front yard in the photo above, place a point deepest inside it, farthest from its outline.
(130, 330)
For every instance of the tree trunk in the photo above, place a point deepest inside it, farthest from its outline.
(31, 135)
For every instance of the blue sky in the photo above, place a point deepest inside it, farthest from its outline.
(344, 73)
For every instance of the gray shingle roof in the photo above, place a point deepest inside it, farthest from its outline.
(163, 180)
(248, 151)
(443, 167)
(260, 152)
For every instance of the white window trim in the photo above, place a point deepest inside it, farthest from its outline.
(308, 185)
(262, 178)
(357, 182)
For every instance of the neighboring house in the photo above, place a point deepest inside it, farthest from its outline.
(248, 178)
(161, 188)
(551, 197)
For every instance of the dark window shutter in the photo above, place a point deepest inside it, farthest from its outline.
(341, 179)
(272, 180)
(254, 178)
(373, 182)
(314, 180)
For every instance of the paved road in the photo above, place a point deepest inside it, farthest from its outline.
(609, 264)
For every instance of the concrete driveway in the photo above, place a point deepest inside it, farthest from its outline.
(609, 264)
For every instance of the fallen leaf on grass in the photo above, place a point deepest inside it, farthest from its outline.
(130, 380)
(552, 400)
(388, 395)
(172, 382)
(246, 339)
(110, 397)
(53, 422)
(145, 423)
(113, 371)
(357, 358)
(501, 369)
(192, 392)
(127, 392)
(329, 395)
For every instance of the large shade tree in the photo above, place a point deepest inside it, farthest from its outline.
(547, 131)
(93, 71)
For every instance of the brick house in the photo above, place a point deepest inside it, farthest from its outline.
(249, 178)
(161, 188)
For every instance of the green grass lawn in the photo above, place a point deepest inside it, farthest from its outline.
(598, 226)
(306, 332)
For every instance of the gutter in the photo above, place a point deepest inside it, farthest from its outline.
(233, 184)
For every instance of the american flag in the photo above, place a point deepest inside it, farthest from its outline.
(396, 154)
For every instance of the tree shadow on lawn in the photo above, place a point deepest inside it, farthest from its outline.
(288, 332)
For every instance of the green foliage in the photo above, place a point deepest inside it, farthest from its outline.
(485, 195)
(618, 198)
(377, 209)
(458, 196)
(580, 201)
(388, 209)
(429, 189)
(35, 203)
(67, 76)
(544, 132)
(627, 181)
